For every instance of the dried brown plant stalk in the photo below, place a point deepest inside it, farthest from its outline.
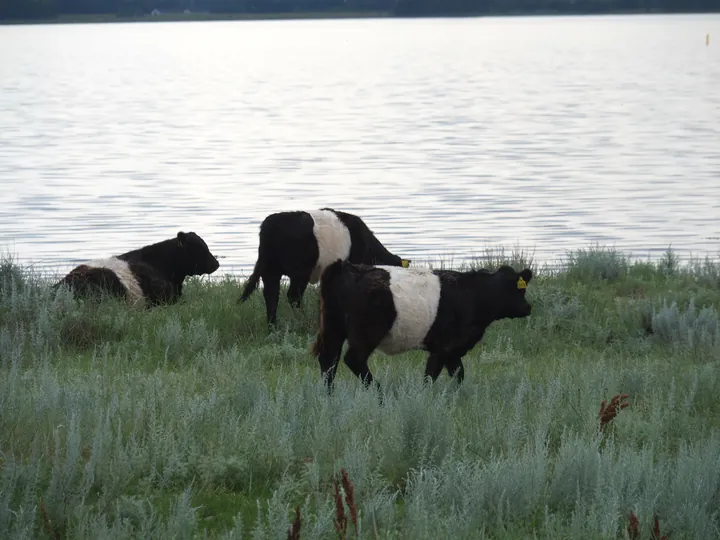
(294, 530)
(657, 535)
(633, 528)
(609, 412)
(350, 499)
(340, 520)
(46, 520)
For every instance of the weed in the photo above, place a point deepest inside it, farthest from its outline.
(341, 521)
(294, 530)
(633, 528)
(608, 412)
(46, 520)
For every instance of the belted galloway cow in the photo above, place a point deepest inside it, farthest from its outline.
(301, 244)
(443, 312)
(151, 275)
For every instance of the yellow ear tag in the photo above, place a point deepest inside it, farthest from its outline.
(522, 284)
(180, 243)
(405, 263)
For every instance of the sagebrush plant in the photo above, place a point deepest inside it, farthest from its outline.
(597, 263)
(193, 421)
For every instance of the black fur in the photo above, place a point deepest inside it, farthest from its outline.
(160, 270)
(93, 282)
(288, 248)
(365, 247)
(356, 305)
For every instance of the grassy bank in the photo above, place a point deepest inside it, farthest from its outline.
(192, 422)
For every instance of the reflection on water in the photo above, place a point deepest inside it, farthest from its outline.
(446, 136)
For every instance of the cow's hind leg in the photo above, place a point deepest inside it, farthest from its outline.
(434, 366)
(363, 339)
(356, 359)
(297, 287)
(271, 292)
(455, 368)
(329, 353)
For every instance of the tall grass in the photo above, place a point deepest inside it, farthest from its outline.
(192, 421)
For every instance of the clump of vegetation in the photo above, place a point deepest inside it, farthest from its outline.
(597, 263)
(11, 275)
(193, 420)
(688, 329)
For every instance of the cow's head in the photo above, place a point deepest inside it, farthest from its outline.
(514, 284)
(196, 254)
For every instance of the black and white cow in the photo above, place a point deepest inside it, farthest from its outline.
(302, 244)
(148, 276)
(443, 312)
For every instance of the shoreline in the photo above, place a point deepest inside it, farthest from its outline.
(548, 264)
(623, 262)
(196, 17)
(312, 15)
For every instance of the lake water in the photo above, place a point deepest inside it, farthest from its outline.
(447, 136)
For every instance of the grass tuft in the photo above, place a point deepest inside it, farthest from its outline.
(597, 263)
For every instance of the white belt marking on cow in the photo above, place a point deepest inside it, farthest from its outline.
(416, 294)
(333, 240)
(122, 270)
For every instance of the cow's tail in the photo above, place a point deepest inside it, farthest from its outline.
(264, 260)
(331, 310)
(252, 282)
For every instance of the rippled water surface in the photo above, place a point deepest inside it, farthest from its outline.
(446, 136)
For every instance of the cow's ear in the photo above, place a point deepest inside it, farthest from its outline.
(181, 238)
(525, 275)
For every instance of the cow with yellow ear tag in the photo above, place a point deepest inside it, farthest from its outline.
(443, 312)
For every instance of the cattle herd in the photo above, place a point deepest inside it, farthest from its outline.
(369, 297)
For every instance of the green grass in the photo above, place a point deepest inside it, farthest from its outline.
(192, 421)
